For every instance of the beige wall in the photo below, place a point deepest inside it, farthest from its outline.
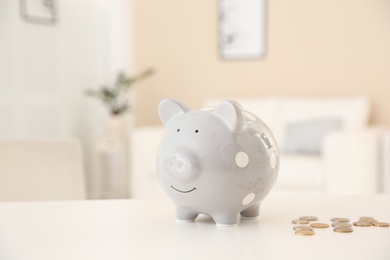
(314, 47)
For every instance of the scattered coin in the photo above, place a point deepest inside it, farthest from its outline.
(304, 232)
(339, 219)
(308, 218)
(341, 224)
(367, 219)
(380, 224)
(362, 224)
(343, 229)
(300, 222)
(302, 228)
(319, 225)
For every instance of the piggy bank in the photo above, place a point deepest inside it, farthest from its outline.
(220, 161)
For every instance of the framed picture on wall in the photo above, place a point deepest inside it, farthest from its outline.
(38, 11)
(242, 29)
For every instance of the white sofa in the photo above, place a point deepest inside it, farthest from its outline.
(326, 145)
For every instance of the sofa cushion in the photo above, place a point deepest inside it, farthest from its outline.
(306, 137)
(353, 112)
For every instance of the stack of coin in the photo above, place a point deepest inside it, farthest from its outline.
(370, 221)
(341, 225)
(302, 230)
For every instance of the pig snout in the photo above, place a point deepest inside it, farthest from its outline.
(181, 166)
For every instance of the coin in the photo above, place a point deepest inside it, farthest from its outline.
(366, 219)
(362, 224)
(341, 224)
(380, 224)
(304, 233)
(319, 225)
(339, 219)
(300, 222)
(302, 228)
(308, 218)
(343, 229)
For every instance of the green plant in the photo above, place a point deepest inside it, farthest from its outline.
(115, 97)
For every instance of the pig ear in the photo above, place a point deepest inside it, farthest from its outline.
(232, 113)
(169, 109)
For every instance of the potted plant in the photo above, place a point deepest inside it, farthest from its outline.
(116, 99)
(116, 96)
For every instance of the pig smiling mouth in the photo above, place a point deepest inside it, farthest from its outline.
(185, 191)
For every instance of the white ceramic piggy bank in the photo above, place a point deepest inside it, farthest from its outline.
(220, 161)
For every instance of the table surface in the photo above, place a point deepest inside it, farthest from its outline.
(146, 229)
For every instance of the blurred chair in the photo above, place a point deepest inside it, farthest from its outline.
(43, 169)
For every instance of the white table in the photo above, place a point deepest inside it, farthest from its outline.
(146, 229)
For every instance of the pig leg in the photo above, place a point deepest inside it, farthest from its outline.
(184, 214)
(252, 212)
(226, 219)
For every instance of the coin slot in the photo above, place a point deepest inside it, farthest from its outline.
(266, 141)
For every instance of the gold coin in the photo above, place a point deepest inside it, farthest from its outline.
(339, 219)
(362, 224)
(300, 222)
(380, 224)
(308, 218)
(302, 228)
(341, 224)
(319, 225)
(367, 219)
(343, 229)
(304, 233)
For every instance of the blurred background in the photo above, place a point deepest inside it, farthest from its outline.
(313, 51)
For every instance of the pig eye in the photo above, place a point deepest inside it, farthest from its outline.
(196, 131)
(178, 130)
